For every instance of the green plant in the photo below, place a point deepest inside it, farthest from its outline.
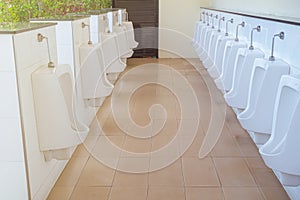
(22, 10)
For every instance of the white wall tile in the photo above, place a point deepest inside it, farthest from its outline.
(7, 61)
(13, 181)
(11, 144)
(28, 51)
(9, 106)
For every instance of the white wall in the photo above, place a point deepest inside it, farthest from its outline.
(13, 183)
(289, 8)
(176, 22)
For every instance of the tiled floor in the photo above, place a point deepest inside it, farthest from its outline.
(233, 170)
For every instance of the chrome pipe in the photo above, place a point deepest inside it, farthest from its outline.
(258, 29)
(237, 31)
(231, 21)
(281, 36)
(221, 19)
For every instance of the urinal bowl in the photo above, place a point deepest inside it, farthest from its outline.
(112, 62)
(282, 150)
(57, 124)
(224, 82)
(94, 84)
(196, 33)
(130, 35)
(265, 77)
(202, 39)
(198, 36)
(219, 56)
(122, 42)
(238, 95)
(204, 55)
(210, 61)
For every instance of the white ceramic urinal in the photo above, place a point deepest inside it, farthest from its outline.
(94, 84)
(216, 71)
(258, 115)
(112, 61)
(58, 127)
(122, 42)
(224, 82)
(210, 61)
(281, 152)
(238, 95)
(202, 38)
(130, 35)
(198, 32)
(206, 43)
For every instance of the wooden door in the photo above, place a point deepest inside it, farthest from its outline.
(144, 15)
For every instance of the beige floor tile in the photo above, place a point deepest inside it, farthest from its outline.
(123, 179)
(193, 150)
(108, 149)
(256, 163)
(111, 128)
(72, 172)
(161, 90)
(134, 164)
(265, 178)
(233, 172)
(198, 172)
(96, 174)
(148, 90)
(161, 140)
(236, 130)
(134, 193)
(61, 193)
(226, 146)
(90, 193)
(274, 193)
(235, 161)
(165, 193)
(196, 193)
(170, 127)
(245, 193)
(169, 176)
(81, 151)
(247, 147)
(90, 142)
(137, 145)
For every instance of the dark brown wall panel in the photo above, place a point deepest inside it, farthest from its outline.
(144, 15)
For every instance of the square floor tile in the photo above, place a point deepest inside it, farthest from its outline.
(168, 176)
(265, 178)
(123, 179)
(61, 193)
(166, 193)
(233, 172)
(134, 193)
(196, 193)
(274, 193)
(245, 193)
(198, 172)
(72, 171)
(90, 193)
(96, 174)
